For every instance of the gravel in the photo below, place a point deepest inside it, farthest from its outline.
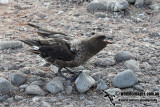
(34, 90)
(10, 44)
(5, 86)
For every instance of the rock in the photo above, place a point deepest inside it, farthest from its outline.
(125, 79)
(139, 3)
(133, 65)
(3, 98)
(68, 89)
(17, 97)
(45, 104)
(101, 85)
(3, 2)
(103, 5)
(113, 91)
(155, 7)
(84, 82)
(39, 83)
(23, 86)
(100, 15)
(5, 86)
(123, 56)
(131, 1)
(17, 79)
(79, 68)
(10, 66)
(146, 66)
(97, 76)
(55, 86)
(10, 100)
(26, 70)
(147, 2)
(34, 90)
(10, 44)
(103, 62)
(138, 87)
(54, 69)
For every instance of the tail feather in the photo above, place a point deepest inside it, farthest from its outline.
(32, 42)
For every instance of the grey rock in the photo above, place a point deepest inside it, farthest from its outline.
(139, 3)
(68, 89)
(123, 56)
(138, 87)
(146, 66)
(10, 100)
(5, 86)
(10, 44)
(101, 63)
(133, 65)
(79, 68)
(54, 69)
(113, 5)
(131, 1)
(113, 91)
(23, 86)
(17, 79)
(55, 86)
(26, 70)
(39, 83)
(97, 76)
(155, 7)
(100, 15)
(34, 90)
(82, 97)
(125, 79)
(10, 66)
(84, 82)
(3, 98)
(101, 85)
(147, 2)
(17, 97)
(45, 104)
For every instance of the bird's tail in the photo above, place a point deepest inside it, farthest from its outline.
(32, 42)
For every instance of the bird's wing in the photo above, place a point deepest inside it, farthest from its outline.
(44, 32)
(53, 48)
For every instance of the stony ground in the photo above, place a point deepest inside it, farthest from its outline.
(138, 33)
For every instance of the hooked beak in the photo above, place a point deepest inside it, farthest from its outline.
(108, 42)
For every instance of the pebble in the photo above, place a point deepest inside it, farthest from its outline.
(97, 76)
(26, 70)
(17, 98)
(84, 82)
(113, 91)
(100, 15)
(10, 44)
(131, 1)
(111, 5)
(34, 90)
(55, 86)
(39, 83)
(101, 85)
(17, 79)
(138, 87)
(155, 7)
(23, 86)
(68, 89)
(125, 79)
(45, 104)
(5, 86)
(139, 3)
(133, 65)
(123, 56)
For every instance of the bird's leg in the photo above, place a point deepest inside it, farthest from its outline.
(61, 74)
(69, 71)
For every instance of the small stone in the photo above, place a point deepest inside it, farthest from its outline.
(3, 98)
(146, 66)
(147, 2)
(97, 76)
(45, 104)
(54, 69)
(139, 3)
(10, 44)
(133, 65)
(24, 86)
(125, 79)
(84, 82)
(103, 5)
(17, 79)
(26, 70)
(82, 97)
(123, 56)
(155, 7)
(39, 83)
(5, 86)
(138, 87)
(55, 86)
(79, 68)
(10, 100)
(34, 90)
(101, 63)
(131, 1)
(68, 90)
(100, 15)
(17, 97)
(101, 85)
(113, 91)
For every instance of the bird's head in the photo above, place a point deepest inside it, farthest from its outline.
(97, 43)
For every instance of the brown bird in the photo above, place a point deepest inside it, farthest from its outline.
(63, 54)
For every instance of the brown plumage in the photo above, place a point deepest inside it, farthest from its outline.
(67, 54)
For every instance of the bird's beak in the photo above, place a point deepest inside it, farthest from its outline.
(108, 42)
